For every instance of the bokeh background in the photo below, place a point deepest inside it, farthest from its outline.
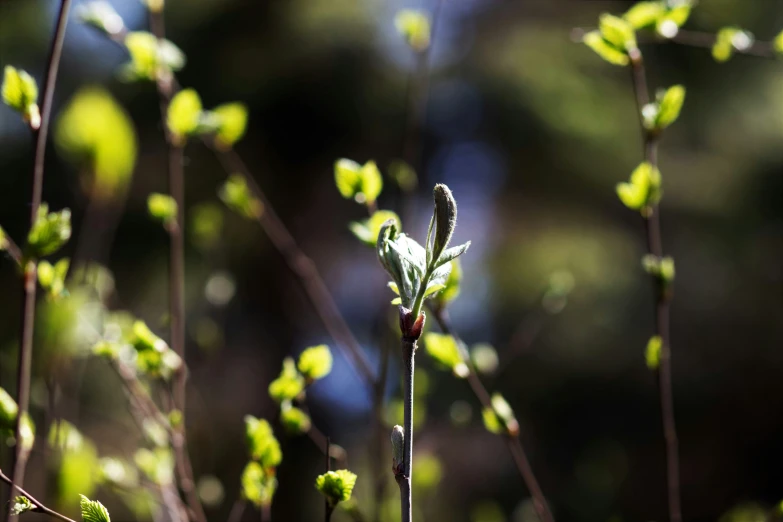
(531, 131)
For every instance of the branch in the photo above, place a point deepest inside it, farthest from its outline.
(40, 507)
(662, 297)
(30, 272)
(513, 442)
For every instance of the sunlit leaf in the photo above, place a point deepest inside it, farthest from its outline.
(617, 32)
(367, 231)
(162, 207)
(336, 486)
(670, 105)
(294, 420)
(49, 233)
(644, 14)
(262, 444)
(232, 121)
(652, 353)
(236, 194)
(93, 511)
(184, 114)
(289, 384)
(444, 349)
(20, 92)
(258, 485)
(604, 49)
(315, 362)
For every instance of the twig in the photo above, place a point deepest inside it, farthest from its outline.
(13, 250)
(512, 441)
(404, 478)
(302, 266)
(237, 510)
(662, 297)
(30, 271)
(328, 508)
(165, 85)
(39, 506)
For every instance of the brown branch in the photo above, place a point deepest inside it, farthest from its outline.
(14, 252)
(662, 297)
(30, 271)
(39, 506)
(514, 444)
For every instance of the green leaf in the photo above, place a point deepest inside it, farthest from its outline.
(451, 286)
(604, 49)
(232, 122)
(450, 254)
(262, 444)
(315, 362)
(101, 15)
(258, 485)
(52, 277)
(151, 58)
(661, 268)
(367, 231)
(8, 411)
(289, 384)
(236, 195)
(362, 183)
(728, 40)
(777, 44)
(20, 92)
(294, 420)
(617, 32)
(652, 353)
(444, 349)
(157, 465)
(153, 356)
(21, 505)
(644, 14)
(336, 486)
(162, 207)
(485, 358)
(93, 511)
(206, 225)
(500, 418)
(414, 26)
(97, 136)
(670, 105)
(491, 421)
(184, 114)
(403, 175)
(49, 232)
(644, 189)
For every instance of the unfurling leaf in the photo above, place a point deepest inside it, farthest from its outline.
(8, 411)
(184, 114)
(52, 277)
(662, 268)
(231, 120)
(670, 104)
(236, 195)
(336, 486)
(289, 384)
(163, 208)
(500, 418)
(445, 221)
(22, 505)
(294, 420)
(652, 353)
(93, 511)
(604, 49)
(20, 92)
(101, 15)
(414, 26)
(728, 40)
(451, 286)
(315, 362)
(367, 231)
(49, 232)
(363, 183)
(643, 191)
(258, 484)
(151, 59)
(444, 349)
(262, 444)
(645, 14)
(617, 32)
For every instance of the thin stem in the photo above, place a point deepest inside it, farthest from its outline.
(14, 252)
(327, 506)
(39, 506)
(512, 441)
(662, 297)
(237, 510)
(707, 40)
(302, 266)
(28, 304)
(404, 480)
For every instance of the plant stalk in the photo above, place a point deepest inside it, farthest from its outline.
(30, 270)
(662, 298)
(39, 506)
(404, 480)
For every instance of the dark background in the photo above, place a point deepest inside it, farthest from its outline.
(531, 131)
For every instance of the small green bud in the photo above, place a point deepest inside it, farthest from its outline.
(235, 193)
(8, 411)
(294, 420)
(661, 268)
(151, 58)
(101, 15)
(669, 105)
(617, 32)
(398, 449)
(289, 384)
(336, 486)
(445, 219)
(93, 511)
(49, 232)
(500, 417)
(728, 40)
(604, 49)
(21, 505)
(231, 124)
(644, 14)
(184, 115)
(163, 208)
(258, 484)
(315, 362)
(652, 353)
(20, 92)
(262, 444)
(777, 44)
(643, 191)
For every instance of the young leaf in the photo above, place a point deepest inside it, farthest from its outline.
(669, 24)
(670, 105)
(163, 208)
(294, 420)
(232, 121)
(451, 286)
(101, 15)
(367, 231)
(336, 486)
(262, 444)
(644, 14)
(315, 362)
(445, 218)
(414, 26)
(443, 348)
(20, 92)
(604, 49)
(289, 384)
(93, 511)
(150, 58)
(450, 254)
(52, 277)
(652, 353)
(184, 114)
(236, 195)
(49, 232)
(8, 411)
(501, 417)
(21, 505)
(258, 485)
(363, 183)
(728, 40)
(617, 32)
(644, 189)
(777, 44)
